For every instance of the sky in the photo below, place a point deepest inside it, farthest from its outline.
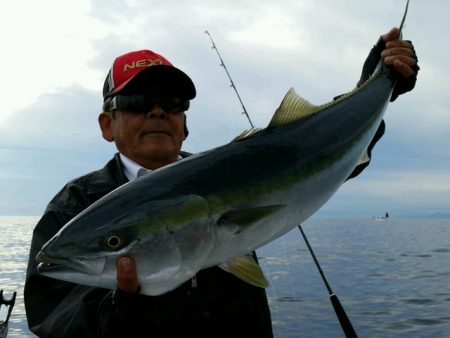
(56, 54)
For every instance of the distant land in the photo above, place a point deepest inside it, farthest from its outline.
(436, 215)
(424, 214)
(344, 214)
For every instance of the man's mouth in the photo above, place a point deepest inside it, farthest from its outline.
(157, 132)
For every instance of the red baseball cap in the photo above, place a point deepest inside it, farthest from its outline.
(144, 69)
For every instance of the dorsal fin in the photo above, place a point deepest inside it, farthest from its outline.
(246, 134)
(292, 108)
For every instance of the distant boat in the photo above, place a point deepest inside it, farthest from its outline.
(382, 218)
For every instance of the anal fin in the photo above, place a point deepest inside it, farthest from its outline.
(247, 269)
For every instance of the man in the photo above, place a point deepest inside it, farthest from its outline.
(145, 99)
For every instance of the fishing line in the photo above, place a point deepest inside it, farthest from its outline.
(266, 263)
(291, 286)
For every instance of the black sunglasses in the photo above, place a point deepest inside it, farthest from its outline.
(145, 103)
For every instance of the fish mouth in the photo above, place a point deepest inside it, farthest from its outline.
(52, 265)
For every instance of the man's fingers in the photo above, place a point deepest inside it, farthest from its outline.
(404, 53)
(127, 279)
(391, 35)
(399, 43)
(399, 53)
(403, 68)
(389, 60)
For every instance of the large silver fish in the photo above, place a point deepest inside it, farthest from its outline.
(215, 207)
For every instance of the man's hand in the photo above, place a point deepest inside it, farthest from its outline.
(399, 53)
(127, 280)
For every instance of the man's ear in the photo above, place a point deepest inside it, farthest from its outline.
(186, 131)
(105, 121)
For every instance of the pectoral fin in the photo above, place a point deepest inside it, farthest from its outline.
(247, 269)
(242, 218)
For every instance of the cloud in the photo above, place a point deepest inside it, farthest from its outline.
(54, 74)
(61, 120)
(402, 194)
(409, 188)
(45, 46)
(43, 146)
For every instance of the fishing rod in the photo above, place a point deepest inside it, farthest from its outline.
(337, 306)
(229, 77)
(346, 325)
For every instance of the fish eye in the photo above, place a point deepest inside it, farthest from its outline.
(113, 242)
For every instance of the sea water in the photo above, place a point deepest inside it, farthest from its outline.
(391, 276)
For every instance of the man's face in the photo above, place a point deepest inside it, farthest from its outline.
(152, 140)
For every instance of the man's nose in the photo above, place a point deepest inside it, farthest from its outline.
(157, 112)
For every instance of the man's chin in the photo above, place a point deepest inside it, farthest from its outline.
(162, 153)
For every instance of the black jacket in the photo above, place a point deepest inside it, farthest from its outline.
(221, 305)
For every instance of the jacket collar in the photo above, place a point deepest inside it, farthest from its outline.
(108, 178)
(111, 176)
